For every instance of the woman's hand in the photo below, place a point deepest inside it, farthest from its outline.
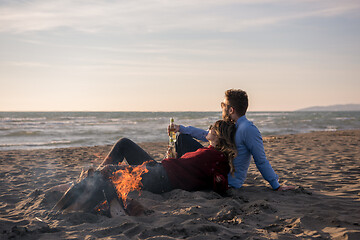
(169, 153)
(218, 179)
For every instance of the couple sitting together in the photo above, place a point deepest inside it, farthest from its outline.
(224, 163)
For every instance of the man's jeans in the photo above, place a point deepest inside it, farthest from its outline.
(185, 143)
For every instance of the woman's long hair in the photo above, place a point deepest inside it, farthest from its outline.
(226, 134)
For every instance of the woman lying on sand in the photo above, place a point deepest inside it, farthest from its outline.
(204, 169)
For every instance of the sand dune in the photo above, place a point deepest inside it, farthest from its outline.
(326, 205)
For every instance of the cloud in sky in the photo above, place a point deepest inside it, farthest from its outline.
(157, 16)
(272, 48)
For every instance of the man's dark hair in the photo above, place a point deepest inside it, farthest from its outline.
(238, 99)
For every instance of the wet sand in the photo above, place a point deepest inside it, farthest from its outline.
(325, 167)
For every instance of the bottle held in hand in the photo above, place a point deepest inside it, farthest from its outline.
(172, 140)
(172, 131)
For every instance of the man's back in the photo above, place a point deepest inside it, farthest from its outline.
(249, 143)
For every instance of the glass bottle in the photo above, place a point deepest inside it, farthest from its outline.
(172, 140)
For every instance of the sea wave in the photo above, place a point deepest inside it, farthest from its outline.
(17, 119)
(39, 145)
(30, 130)
(23, 133)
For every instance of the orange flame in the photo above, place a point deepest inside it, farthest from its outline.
(127, 180)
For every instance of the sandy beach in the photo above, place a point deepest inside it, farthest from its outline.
(325, 167)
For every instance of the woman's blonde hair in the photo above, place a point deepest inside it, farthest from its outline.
(225, 131)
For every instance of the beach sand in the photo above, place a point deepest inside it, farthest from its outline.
(325, 167)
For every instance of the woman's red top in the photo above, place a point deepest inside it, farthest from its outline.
(206, 168)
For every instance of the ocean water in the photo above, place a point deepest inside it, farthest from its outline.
(35, 130)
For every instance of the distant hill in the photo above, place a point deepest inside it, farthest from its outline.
(344, 107)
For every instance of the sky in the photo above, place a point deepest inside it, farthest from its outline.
(177, 55)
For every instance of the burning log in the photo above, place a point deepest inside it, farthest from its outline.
(83, 196)
(110, 184)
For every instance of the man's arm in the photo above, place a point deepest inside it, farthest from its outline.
(197, 133)
(255, 145)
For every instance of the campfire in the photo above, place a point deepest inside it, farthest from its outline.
(127, 180)
(105, 191)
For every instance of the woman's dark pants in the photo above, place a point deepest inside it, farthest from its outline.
(156, 179)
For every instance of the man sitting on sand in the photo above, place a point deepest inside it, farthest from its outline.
(248, 141)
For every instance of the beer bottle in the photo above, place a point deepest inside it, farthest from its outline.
(172, 140)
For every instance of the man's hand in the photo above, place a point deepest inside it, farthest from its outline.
(173, 128)
(285, 188)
